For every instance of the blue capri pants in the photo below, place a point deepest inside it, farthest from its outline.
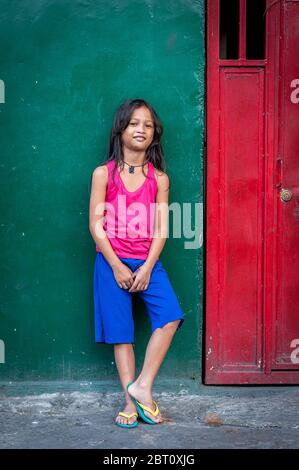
(113, 316)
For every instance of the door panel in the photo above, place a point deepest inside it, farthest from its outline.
(241, 176)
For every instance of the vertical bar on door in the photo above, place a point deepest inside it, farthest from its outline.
(242, 30)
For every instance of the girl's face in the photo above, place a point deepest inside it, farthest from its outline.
(139, 133)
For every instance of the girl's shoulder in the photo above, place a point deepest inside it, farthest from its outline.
(161, 178)
(101, 173)
(105, 168)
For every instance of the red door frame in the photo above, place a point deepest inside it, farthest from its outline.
(214, 372)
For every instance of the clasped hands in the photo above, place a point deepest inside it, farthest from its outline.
(133, 281)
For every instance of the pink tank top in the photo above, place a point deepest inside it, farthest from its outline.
(129, 215)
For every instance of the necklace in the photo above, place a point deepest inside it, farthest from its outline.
(132, 167)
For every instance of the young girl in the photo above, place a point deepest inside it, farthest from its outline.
(132, 186)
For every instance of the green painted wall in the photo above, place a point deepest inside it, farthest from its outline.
(66, 66)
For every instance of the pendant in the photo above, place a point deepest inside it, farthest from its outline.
(131, 169)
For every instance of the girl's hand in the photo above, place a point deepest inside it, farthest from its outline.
(142, 277)
(123, 276)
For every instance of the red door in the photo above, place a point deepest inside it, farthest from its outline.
(252, 192)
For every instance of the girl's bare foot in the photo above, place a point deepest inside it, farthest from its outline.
(144, 396)
(129, 408)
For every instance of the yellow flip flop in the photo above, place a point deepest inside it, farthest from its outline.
(128, 416)
(140, 407)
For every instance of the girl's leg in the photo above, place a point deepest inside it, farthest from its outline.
(125, 362)
(156, 350)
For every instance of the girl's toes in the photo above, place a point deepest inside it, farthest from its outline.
(153, 418)
(159, 419)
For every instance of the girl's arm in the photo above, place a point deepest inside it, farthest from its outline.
(96, 215)
(161, 221)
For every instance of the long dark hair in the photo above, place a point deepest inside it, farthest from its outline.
(153, 154)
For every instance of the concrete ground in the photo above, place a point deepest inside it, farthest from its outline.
(70, 415)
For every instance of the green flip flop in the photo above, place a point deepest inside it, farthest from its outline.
(128, 416)
(140, 408)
